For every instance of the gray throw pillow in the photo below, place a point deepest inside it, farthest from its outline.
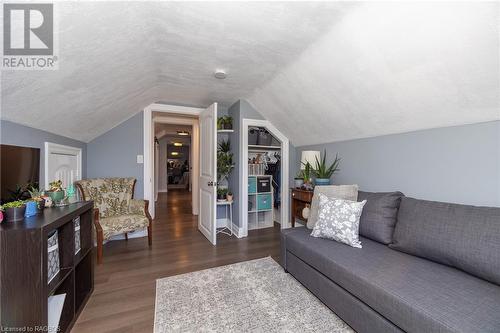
(338, 219)
(347, 192)
(464, 237)
(379, 215)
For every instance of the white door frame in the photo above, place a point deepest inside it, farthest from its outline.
(285, 192)
(55, 148)
(149, 147)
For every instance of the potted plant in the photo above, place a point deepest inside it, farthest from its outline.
(225, 163)
(221, 194)
(220, 123)
(307, 173)
(56, 192)
(229, 196)
(322, 172)
(14, 210)
(299, 179)
(228, 122)
(37, 196)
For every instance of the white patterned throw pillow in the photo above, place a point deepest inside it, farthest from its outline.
(338, 219)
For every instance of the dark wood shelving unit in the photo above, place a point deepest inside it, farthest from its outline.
(24, 290)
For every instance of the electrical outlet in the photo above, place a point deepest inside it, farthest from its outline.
(140, 159)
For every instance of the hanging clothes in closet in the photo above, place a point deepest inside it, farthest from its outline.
(274, 169)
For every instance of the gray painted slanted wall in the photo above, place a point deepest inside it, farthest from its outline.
(114, 154)
(20, 135)
(454, 164)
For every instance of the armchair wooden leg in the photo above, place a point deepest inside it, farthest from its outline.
(150, 235)
(99, 246)
(126, 236)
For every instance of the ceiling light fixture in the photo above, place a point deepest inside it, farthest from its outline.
(174, 153)
(182, 133)
(177, 144)
(220, 74)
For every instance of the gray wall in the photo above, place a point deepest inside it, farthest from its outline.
(454, 164)
(114, 154)
(239, 111)
(20, 135)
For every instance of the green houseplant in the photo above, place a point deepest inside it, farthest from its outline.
(221, 193)
(228, 122)
(14, 210)
(322, 172)
(37, 196)
(225, 163)
(299, 179)
(307, 174)
(56, 192)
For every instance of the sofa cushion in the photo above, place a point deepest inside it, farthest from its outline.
(379, 215)
(346, 192)
(465, 237)
(338, 220)
(415, 294)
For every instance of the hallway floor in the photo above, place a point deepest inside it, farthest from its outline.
(124, 293)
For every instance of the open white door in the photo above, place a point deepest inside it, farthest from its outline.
(208, 173)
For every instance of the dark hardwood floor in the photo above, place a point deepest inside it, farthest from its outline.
(124, 295)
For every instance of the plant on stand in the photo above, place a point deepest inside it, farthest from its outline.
(228, 122)
(322, 172)
(225, 166)
(307, 174)
(299, 179)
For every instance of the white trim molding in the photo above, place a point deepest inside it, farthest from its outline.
(55, 148)
(148, 146)
(285, 153)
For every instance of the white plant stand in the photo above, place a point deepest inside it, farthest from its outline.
(229, 215)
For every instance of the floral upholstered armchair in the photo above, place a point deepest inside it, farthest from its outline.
(115, 210)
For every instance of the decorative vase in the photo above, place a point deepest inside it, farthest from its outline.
(298, 182)
(322, 181)
(56, 196)
(31, 209)
(14, 214)
(228, 125)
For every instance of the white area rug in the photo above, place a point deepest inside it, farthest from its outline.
(252, 296)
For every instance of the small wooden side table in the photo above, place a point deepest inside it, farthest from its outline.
(300, 198)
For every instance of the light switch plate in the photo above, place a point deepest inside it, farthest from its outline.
(140, 159)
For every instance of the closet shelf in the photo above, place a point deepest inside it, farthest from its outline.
(225, 131)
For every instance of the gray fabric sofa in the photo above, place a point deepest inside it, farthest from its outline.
(440, 272)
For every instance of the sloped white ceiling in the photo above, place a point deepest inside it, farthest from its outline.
(320, 71)
(115, 58)
(390, 67)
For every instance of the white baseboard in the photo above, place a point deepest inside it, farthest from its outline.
(163, 190)
(237, 231)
